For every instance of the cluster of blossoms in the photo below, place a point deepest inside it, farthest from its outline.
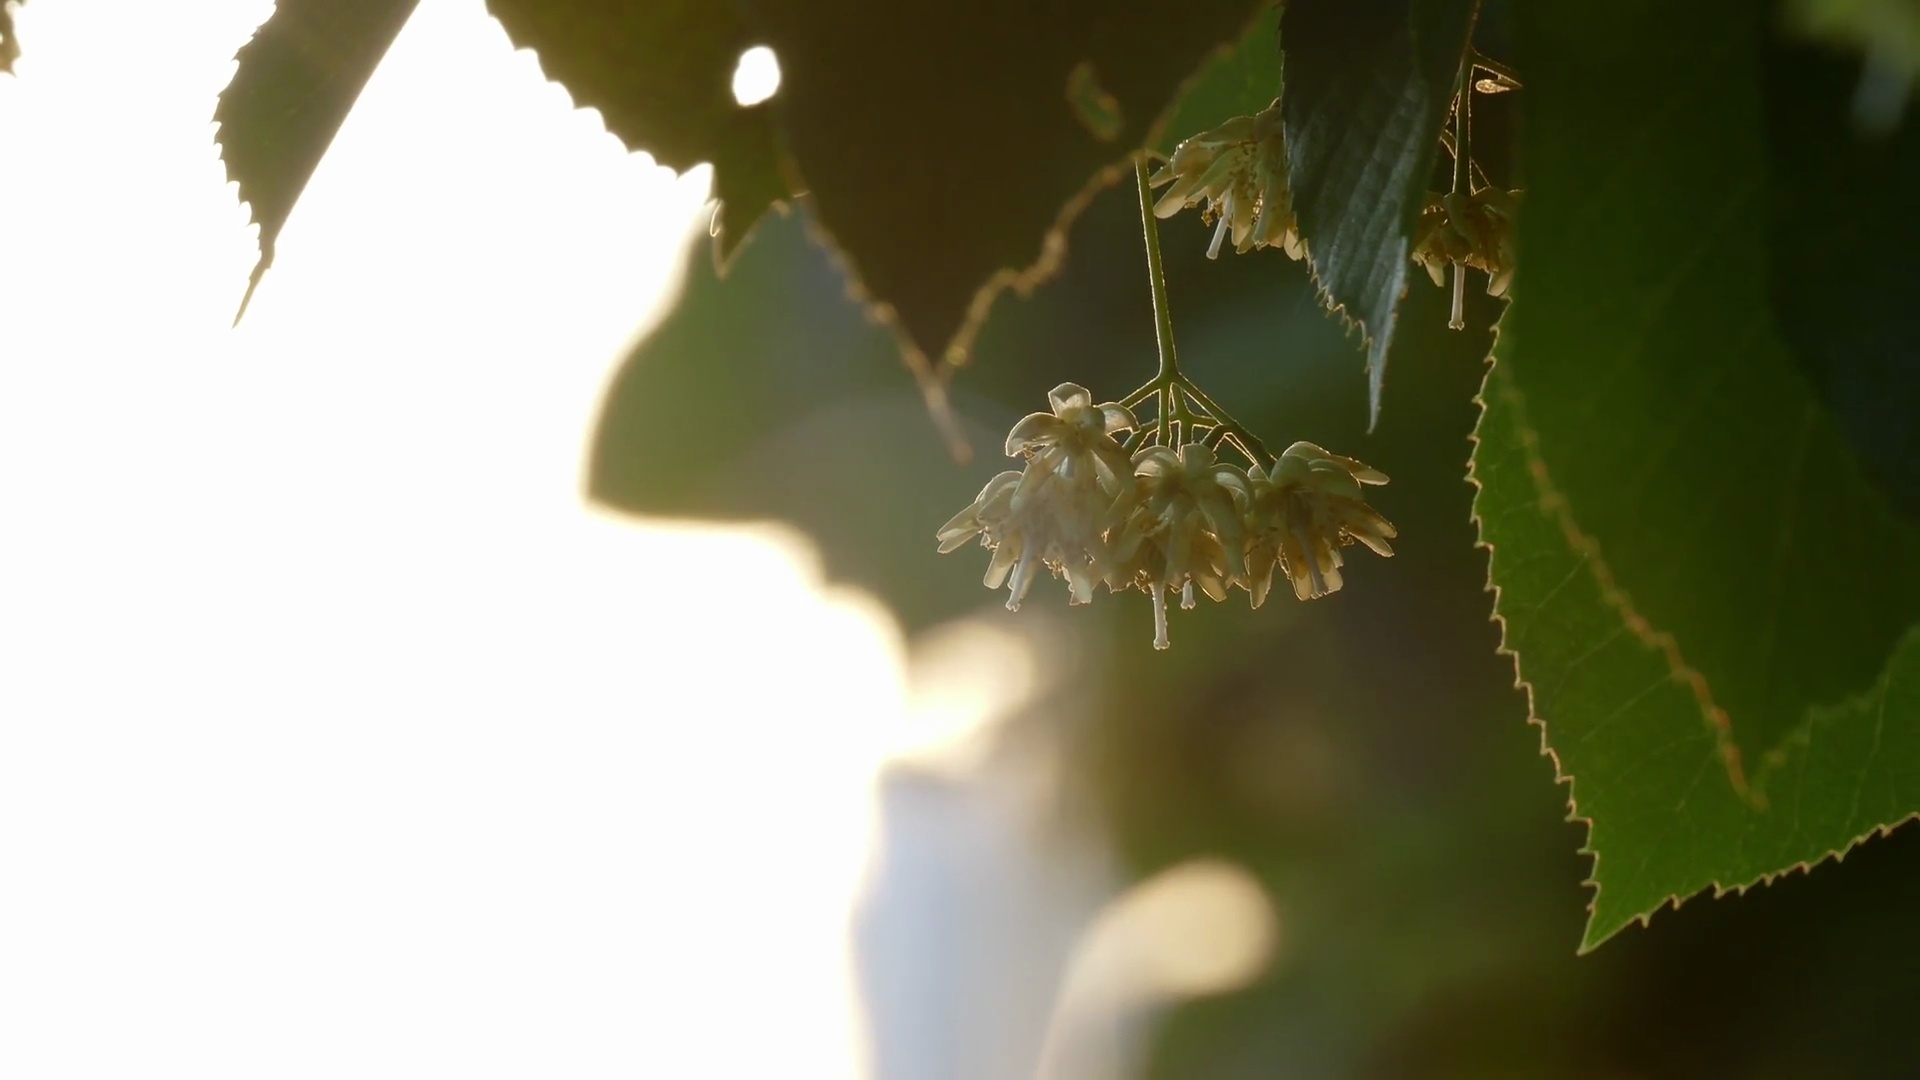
(1164, 519)
(1238, 173)
(1465, 229)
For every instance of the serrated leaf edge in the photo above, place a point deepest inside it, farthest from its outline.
(935, 376)
(1555, 505)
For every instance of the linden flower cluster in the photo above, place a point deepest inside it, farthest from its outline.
(1162, 519)
(1469, 230)
(1239, 171)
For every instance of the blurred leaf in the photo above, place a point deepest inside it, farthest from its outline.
(1693, 574)
(1888, 33)
(764, 395)
(298, 78)
(661, 74)
(940, 144)
(1239, 81)
(1847, 202)
(9, 45)
(1368, 84)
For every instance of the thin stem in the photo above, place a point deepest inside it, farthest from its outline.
(1478, 174)
(1183, 411)
(1462, 141)
(1462, 183)
(1239, 443)
(1156, 277)
(1501, 72)
(1230, 429)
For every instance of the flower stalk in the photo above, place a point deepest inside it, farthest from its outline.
(1183, 412)
(1462, 180)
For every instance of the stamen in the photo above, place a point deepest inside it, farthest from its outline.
(1459, 319)
(1160, 640)
(1022, 579)
(1219, 234)
(1186, 597)
(1310, 545)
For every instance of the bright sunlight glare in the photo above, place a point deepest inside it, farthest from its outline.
(340, 738)
(1201, 927)
(757, 78)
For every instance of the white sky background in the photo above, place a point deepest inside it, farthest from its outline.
(338, 737)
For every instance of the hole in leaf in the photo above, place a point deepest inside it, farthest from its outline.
(757, 77)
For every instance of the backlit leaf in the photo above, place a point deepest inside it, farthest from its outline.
(298, 78)
(1368, 84)
(1701, 589)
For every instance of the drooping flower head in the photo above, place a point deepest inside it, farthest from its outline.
(1302, 512)
(1055, 511)
(1239, 171)
(1473, 230)
(1183, 529)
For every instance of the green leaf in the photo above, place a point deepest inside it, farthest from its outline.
(1368, 84)
(1239, 81)
(1887, 32)
(661, 74)
(298, 78)
(1693, 575)
(941, 144)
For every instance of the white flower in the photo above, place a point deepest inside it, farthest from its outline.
(1302, 512)
(1475, 230)
(1183, 529)
(1055, 511)
(1076, 438)
(1239, 170)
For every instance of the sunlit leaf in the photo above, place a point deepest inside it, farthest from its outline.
(1367, 88)
(661, 74)
(1701, 590)
(1239, 81)
(298, 78)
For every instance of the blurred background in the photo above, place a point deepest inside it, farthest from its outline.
(515, 651)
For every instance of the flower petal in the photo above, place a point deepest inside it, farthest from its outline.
(1156, 461)
(1069, 396)
(1034, 430)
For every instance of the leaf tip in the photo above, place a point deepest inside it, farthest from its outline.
(253, 282)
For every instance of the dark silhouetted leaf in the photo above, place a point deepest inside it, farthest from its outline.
(1701, 590)
(298, 79)
(661, 74)
(1368, 84)
(941, 146)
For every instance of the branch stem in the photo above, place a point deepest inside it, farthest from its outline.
(1156, 277)
(1182, 411)
(1462, 182)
